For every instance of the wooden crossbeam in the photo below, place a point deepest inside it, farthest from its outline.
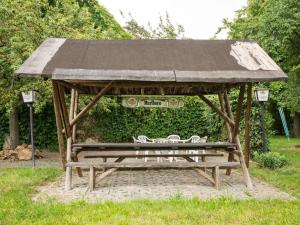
(64, 111)
(200, 171)
(90, 105)
(217, 110)
(223, 108)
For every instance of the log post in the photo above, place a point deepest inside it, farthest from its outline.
(236, 138)
(72, 114)
(64, 111)
(59, 125)
(247, 125)
(230, 115)
(68, 181)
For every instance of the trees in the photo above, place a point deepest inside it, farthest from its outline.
(164, 30)
(275, 25)
(25, 24)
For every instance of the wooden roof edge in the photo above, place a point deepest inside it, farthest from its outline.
(226, 76)
(35, 64)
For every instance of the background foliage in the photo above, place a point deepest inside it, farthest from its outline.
(26, 25)
(275, 25)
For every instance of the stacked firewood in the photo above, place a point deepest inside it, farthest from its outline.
(22, 152)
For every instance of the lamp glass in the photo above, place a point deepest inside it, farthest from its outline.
(262, 95)
(29, 97)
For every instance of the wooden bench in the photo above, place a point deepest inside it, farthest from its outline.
(107, 156)
(214, 166)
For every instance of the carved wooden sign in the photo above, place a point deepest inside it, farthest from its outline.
(152, 101)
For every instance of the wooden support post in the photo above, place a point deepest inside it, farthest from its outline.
(218, 111)
(59, 125)
(235, 135)
(68, 181)
(247, 125)
(239, 108)
(64, 111)
(216, 177)
(92, 178)
(90, 105)
(72, 113)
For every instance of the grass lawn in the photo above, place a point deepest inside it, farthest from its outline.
(287, 178)
(17, 187)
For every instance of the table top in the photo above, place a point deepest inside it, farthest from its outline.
(207, 145)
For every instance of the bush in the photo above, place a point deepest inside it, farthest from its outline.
(271, 160)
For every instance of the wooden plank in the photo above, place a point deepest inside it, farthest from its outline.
(154, 165)
(113, 75)
(247, 125)
(137, 146)
(59, 125)
(229, 76)
(152, 155)
(218, 111)
(90, 105)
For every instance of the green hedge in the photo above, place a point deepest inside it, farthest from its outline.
(120, 124)
(110, 122)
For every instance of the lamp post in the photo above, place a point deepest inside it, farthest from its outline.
(262, 96)
(29, 98)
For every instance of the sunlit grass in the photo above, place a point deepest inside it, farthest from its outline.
(16, 207)
(286, 178)
(18, 185)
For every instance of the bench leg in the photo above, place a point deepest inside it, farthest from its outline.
(216, 176)
(92, 178)
(68, 181)
(79, 171)
(230, 159)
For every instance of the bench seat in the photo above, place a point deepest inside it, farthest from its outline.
(198, 167)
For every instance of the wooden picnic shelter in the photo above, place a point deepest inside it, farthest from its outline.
(151, 67)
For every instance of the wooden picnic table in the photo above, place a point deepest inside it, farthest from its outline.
(78, 147)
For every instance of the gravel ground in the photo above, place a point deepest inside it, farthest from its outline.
(151, 184)
(157, 184)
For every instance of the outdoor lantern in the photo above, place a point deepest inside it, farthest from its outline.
(261, 95)
(29, 98)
